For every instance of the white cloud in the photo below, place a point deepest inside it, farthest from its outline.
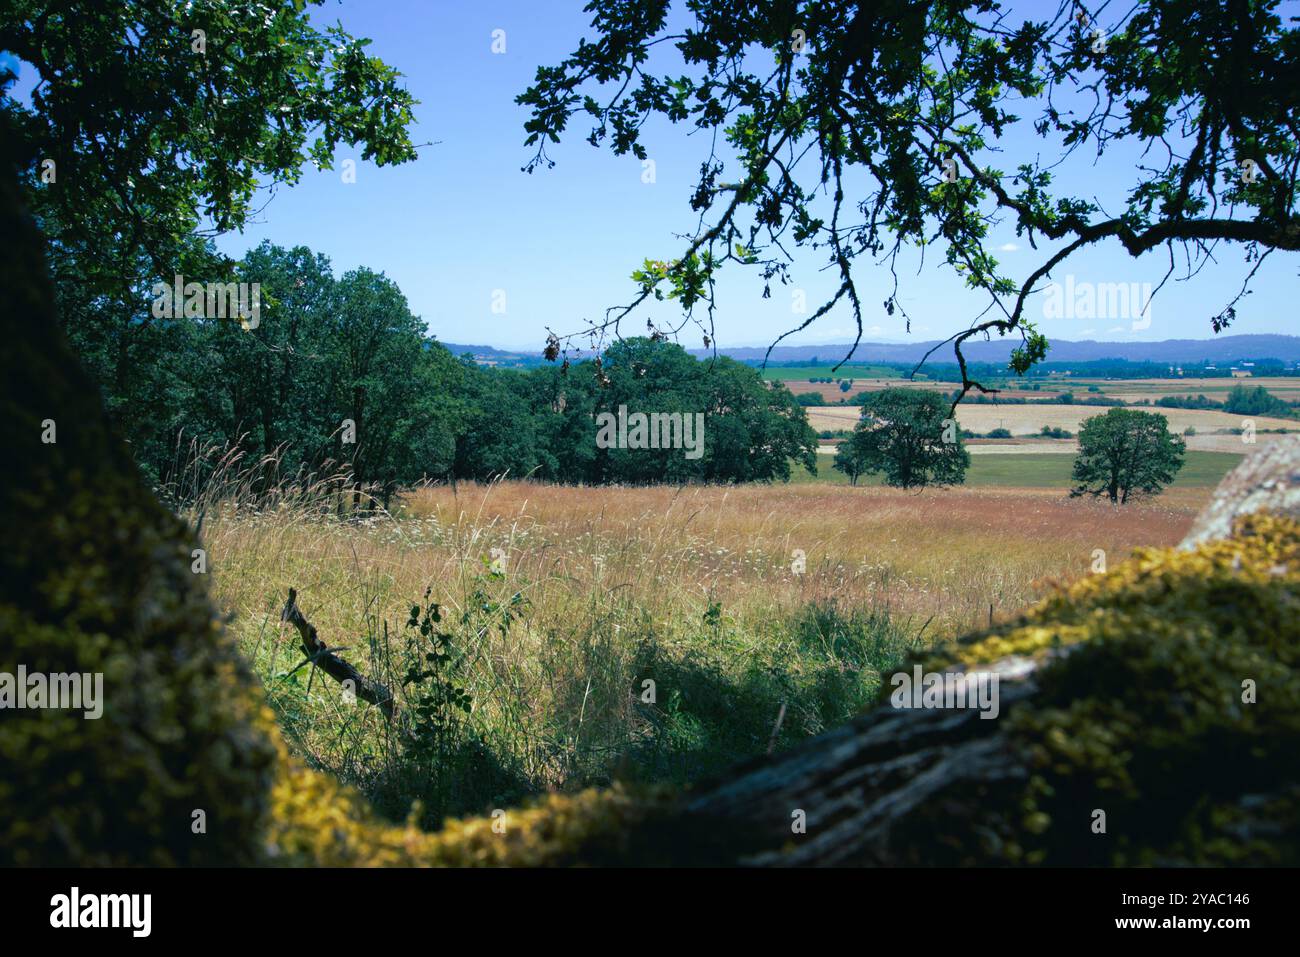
(1008, 248)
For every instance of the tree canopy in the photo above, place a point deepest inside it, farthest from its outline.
(162, 121)
(544, 422)
(1242, 400)
(152, 127)
(860, 129)
(340, 378)
(1124, 453)
(907, 436)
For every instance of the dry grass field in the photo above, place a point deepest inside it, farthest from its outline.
(594, 590)
(1201, 442)
(1030, 419)
(668, 552)
(1286, 388)
(832, 391)
(1126, 390)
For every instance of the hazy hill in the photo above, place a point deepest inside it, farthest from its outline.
(1220, 349)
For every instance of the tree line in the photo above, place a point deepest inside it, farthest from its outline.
(339, 374)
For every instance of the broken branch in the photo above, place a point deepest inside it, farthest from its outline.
(324, 658)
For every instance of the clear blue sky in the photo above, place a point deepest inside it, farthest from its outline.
(463, 220)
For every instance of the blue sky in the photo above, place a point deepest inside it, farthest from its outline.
(463, 221)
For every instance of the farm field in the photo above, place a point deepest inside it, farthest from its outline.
(832, 391)
(792, 375)
(1028, 445)
(1134, 390)
(1126, 390)
(1030, 419)
(1034, 469)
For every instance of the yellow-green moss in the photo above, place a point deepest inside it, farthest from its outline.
(1143, 715)
(316, 821)
(95, 577)
(110, 592)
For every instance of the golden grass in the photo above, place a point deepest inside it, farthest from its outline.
(1133, 390)
(616, 581)
(1128, 390)
(668, 552)
(832, 391)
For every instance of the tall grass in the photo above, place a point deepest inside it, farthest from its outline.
(645, 633)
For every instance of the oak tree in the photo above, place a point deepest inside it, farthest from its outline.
(1124, 453)
(859, 130)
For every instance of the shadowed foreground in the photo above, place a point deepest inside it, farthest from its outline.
(1122, 693)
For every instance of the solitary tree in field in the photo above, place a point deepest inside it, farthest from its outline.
(860, 129)
(907, 436)
(1126, 452)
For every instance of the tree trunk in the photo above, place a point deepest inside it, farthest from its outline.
(864, 787)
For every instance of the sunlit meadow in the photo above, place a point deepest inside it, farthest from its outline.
(655, 633)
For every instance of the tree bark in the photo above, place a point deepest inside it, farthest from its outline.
(859, 786)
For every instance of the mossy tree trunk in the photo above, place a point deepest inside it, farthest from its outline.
(96, 577)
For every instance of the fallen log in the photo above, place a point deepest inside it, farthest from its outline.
(324, 658)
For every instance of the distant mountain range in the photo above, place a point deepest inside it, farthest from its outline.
(459, 349)
(1219, 349)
